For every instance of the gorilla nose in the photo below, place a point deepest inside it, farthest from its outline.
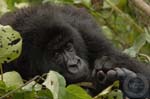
(73, 68)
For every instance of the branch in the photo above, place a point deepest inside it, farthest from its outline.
(142, 5)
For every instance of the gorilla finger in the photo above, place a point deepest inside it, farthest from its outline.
(112, 75)
(101, 76)
(129, 72)
(120, 73)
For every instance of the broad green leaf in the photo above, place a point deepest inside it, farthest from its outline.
(45, 94)
(10, 44)
(55, 83)
(76, 92)
(12, 79)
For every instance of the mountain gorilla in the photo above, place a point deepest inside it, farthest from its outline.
(68, 40)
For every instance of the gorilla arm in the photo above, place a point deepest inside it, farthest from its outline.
(101, 52)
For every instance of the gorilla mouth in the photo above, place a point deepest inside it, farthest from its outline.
(73, 69)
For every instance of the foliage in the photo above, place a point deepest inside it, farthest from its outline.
(10, 44)
(121, 23)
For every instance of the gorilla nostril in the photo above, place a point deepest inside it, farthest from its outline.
(78, 61)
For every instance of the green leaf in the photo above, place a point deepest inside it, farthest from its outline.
(10, 44)
(76, 92)
(24, 95)
(58, 1)
(55, 83)
(3, 7)
(85, 2)
(3, 88)
(12, 79)
(122, 3)
(11, 3)
(44, 94)
(115, 93)
(21, 5)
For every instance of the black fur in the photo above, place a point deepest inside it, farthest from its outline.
(45, 28)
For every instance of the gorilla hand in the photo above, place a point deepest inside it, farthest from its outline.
(112, 75)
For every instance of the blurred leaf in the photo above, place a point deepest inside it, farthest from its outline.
(24, 95)
(55, 82)
(107, 32)
(3, 88)
(76, 92)
(106, 5)
(11, 3)
(138, 44)
(12, 79)
(21, 5)
(85, 2)
(147, 33)
(10, 44)
(58, 1)
(44, 94)
(122, 3)
(3, 7)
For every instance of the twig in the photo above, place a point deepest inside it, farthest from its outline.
(11, 92)
(142, 6)
(1, 67)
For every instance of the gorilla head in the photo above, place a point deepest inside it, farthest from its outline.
(63, 54)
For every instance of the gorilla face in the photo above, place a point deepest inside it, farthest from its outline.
(71, 65)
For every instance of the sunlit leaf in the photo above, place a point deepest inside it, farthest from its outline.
(55, 82)
(10, 44)
(3, 7)
(76, 92)
(12, 79)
